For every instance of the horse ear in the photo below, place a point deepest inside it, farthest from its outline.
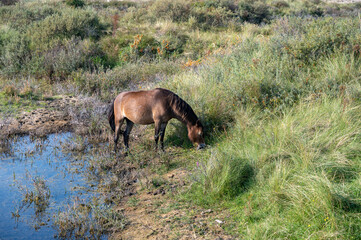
(198, 123)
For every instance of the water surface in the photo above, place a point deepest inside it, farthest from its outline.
(28, 161)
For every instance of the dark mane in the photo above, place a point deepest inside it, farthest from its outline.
(182, 110)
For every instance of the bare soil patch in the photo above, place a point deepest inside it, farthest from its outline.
(156, 214)
(42, 121)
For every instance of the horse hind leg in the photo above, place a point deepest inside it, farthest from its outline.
(118, 125)
(126, 133)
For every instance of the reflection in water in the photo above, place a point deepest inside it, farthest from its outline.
(38, 180)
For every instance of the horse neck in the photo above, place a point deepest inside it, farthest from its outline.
(183, 112)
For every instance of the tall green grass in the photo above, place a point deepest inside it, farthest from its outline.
(292, 176)
(282, 112)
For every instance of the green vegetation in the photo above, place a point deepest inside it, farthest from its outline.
(276, 84)
(57, 42)
(299, 171)
(39, 195)
(284, 107)
(11, 100)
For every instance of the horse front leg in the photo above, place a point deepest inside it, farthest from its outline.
(157, 127)
(162, 133)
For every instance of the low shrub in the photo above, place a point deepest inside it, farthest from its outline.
(27, 91)
(320, 37)
(114, 46)
(119, 4)
(70, 55)
(15, 52)
(254, 12)
(227, 4)
(144, 46)
(10, 91)
(9, 2)
(20, 17)
(281, 4)
(64, 25)
(209, 17)
(312, 8)
(177, 10)
(174, 43)
(75, 3)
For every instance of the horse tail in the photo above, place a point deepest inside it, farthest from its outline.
(111, 116)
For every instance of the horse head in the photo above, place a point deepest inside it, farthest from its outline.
(195, 134)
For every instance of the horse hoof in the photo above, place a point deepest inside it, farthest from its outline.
(126, 153)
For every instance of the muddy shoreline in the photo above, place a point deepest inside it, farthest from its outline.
(54, 115)
(52, 118)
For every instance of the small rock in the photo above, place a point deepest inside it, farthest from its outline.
(206, 211)
(219, 221)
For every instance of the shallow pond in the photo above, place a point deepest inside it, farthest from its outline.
(39, 180)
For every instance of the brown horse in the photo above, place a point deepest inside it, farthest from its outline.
(156, 106)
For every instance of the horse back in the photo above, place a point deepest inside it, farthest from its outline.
(144, 107)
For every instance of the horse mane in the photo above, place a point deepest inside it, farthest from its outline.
(181, 109)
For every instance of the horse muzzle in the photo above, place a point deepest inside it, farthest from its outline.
(201, 146)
